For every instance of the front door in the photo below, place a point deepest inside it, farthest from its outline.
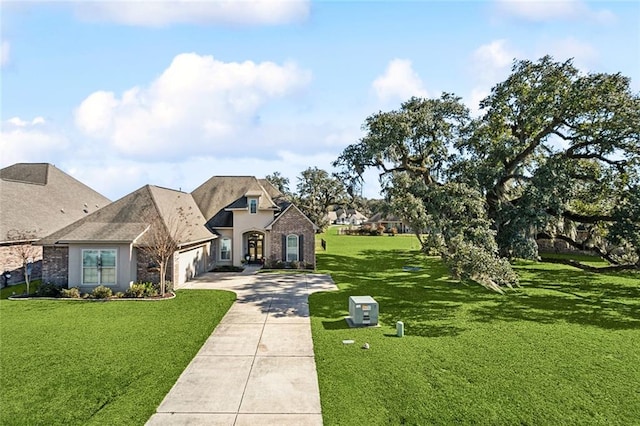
(256, 247)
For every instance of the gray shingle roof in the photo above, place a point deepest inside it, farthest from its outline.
(41, 198)
(221, 192)
(127, 218)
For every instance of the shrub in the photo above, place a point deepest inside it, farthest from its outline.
(70, 293)
(274, 263)
(101, 292)
(294, 264)
(119, 295)
(152, 290)
(135, 291)
(227, 268)
(48, 290)
(139, 290)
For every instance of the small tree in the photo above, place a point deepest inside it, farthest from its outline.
(24, 250)
(162, 240)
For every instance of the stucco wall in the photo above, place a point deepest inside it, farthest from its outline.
(244, 222)
(124, 259)
(191, 262)
(215, 248)
(55, 265)
(293, 221)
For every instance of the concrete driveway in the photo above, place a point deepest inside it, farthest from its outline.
(257, 367)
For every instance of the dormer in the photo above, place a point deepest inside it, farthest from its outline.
(253, 200)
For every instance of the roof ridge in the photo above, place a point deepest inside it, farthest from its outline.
(155, 205)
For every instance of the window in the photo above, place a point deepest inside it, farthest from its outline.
(253, 206)
(225, 249)
(99, 267)
(292, 248)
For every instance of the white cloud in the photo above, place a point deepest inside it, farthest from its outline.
(489, 64)
(473, 100)
(492, 61)
(5, 51)
(115, 177)
(30, 141)
(158, 13)
(549, 10)
(197, 106)
(399, 81)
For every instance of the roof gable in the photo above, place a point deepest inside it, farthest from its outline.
(127, 218)
(287, 210)
(229, 192)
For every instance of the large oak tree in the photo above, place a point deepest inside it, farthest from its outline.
(556, 150)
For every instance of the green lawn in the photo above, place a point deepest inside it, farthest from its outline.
(7, 292)
(564, 349)
(75, 362)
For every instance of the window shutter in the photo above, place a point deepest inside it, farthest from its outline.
(284, 248)
(301, 248)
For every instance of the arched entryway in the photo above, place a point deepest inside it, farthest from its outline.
(254, 243)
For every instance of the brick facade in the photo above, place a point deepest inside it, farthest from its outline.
(146, 274)
(292, 221)
(55, 266)
(11, 262)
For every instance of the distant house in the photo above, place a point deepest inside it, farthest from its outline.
(389, 221)
(346, 217)
(349, 217)
(331, 217)
(37, 199)
(228, 220)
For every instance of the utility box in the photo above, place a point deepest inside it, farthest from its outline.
(363, 311)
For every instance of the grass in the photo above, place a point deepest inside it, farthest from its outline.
(74, 362)
(6, 292)
(564, 349)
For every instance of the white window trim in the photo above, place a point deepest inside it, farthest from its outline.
(115, 268)
(252, 202)
(289, 249)
(229, 251)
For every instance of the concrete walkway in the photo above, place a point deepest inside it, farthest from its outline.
(258, 367)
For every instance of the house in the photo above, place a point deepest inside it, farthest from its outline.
(255, 222)
(107, 247)
(37, 199)
(389, 221)
(228, 220)
(349, 217)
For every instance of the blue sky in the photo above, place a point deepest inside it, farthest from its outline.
(120, 94)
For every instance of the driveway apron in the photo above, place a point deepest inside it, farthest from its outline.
(257, 367)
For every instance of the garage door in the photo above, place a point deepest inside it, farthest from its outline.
(191, 263)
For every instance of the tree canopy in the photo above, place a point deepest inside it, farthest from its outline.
(555, 151)
(317, 190)
(280, 182)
